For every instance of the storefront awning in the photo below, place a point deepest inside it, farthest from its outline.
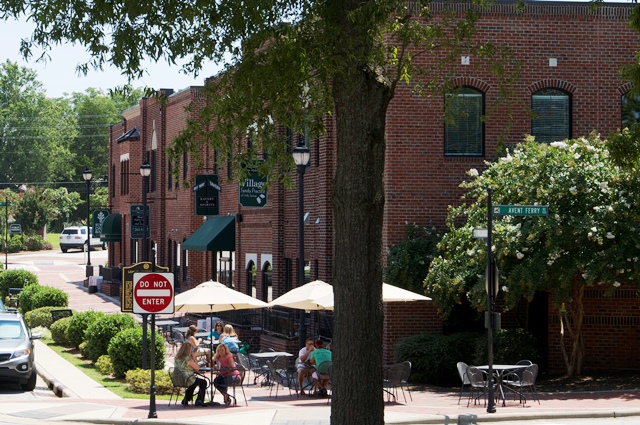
(129, 136)
(111, 228)
(216, 234)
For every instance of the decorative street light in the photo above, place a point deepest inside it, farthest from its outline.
(86, 175)
(145, 172)
(301, 156)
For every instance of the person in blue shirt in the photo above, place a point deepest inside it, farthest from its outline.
(217, 330)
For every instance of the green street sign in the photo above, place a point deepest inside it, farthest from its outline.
(137, 221)
(537, 210)
(3, 204)
(15, 228)
(98, 218)
(252, 192)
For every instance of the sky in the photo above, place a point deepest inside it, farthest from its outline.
(59, 76)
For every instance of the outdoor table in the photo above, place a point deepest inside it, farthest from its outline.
(500, 369)
(202, 334)
(166, 323)
(181, 329)
(263, 357)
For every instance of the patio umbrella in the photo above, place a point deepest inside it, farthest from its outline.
(212, 296)
(390, 293)
(304, 297)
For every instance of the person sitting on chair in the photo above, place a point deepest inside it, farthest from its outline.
(227, 371)
(196, 349)
(321, 358)
(230, 339)
(217, 330)
(186, 366)
(305, 368)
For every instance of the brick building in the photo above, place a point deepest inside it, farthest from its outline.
(570, 58)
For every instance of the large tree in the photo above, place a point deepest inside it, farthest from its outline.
(590, 237)
(290, 63)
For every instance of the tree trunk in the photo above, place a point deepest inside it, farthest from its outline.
(571, 324)
(361, 99)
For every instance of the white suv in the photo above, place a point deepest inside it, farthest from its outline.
(76, 237)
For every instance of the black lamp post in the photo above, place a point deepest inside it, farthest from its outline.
(145, 172)
(86, 175)
(301, 156)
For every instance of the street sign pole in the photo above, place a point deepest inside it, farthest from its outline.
(6, 224)
(491, 407)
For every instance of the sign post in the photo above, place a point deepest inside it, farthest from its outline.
(251, 192)
(207, 194)
(153, 294)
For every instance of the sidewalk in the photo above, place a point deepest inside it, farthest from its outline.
(84, 400)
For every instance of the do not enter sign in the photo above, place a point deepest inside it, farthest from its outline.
(153, 293)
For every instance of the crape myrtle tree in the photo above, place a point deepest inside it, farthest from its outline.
(297, 64)
(589, 239)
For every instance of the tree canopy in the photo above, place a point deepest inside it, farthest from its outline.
(589, 238)
(291, 63)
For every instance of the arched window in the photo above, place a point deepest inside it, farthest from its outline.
(630, 109)
(267, 283)
(464, 125)
(551, 120)
(251, 279)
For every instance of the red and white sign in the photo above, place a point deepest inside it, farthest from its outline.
(153, 293)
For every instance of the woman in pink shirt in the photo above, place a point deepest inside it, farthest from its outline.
(227, 371)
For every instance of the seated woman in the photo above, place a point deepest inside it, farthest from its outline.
(217, 330)
(230, 339)
(227, 371)
(186, 366)
(196, 349)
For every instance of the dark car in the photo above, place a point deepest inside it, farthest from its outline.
(17, 359)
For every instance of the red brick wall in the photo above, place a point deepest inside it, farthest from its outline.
(420, 182)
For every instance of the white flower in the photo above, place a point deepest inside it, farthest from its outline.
(473, 172)
(573, 190)
(505, 289)
(550, 262)
(616, 284)
(610, 235)
(594, 229)
(507, 158)
(584, 275)
(519, 255)
(470, 252)
(576, 156)
(559, 145)
(603, 186)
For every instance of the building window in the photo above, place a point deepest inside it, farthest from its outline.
(551, 120)
(185, 166)
(154, 170)
(464, 125)
(124, 174)
(169, 175)
(267, 283)
(251, 279)
(630, 110)
(112, 186)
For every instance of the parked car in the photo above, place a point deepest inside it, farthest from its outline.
(76, 237)
(17, 358)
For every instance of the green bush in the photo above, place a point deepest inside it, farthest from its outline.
(44, 333)
(83, 350)
(15, 244)
(34, 243)
(16, 279)
(36, 296)
(509, 346)
(125, 351)
(139, 381)
(434, 357)
(39, 317)
(104, 365)
(59, 331)
(100, 332)
(79, 324)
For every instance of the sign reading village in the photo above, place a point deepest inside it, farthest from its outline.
(252, 192)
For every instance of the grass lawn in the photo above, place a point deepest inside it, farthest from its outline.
(54, 240)
(116, 386)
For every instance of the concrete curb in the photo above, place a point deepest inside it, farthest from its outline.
(57, 387)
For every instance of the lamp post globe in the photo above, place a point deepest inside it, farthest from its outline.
(86, 175)
(301, 156)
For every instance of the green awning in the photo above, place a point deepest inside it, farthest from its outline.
(216, 234)
(111, 230)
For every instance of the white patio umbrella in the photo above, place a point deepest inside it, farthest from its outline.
(390, 294)
(211, 296)
(303, 297)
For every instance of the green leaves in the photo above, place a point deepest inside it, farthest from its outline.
(590, 231)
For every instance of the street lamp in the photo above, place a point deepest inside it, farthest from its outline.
(86, 175)
(145, 172)
(301, 156)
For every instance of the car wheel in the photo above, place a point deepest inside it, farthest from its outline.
(31, 383)
(63, 250)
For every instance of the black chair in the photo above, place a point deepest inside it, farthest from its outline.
(393, 380)
(179, 381)
(280, 375)
(528, 381)
(479, 383)
(404, 383)
(462, 371)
